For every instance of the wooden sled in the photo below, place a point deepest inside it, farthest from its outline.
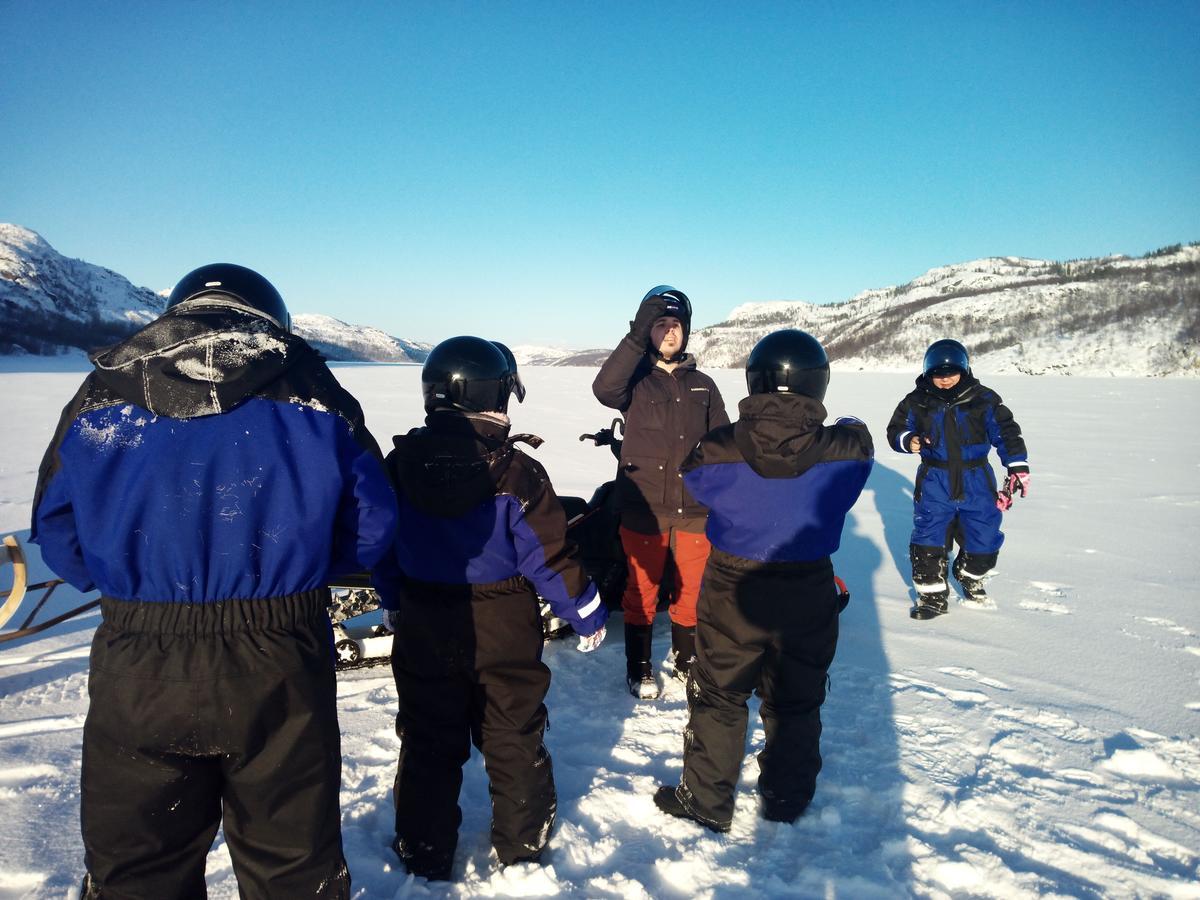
(12, 554)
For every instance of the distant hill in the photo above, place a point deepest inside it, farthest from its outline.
(50, 303)
(528, 355)
(339, 341)
(1112, 315)
(1109, 316)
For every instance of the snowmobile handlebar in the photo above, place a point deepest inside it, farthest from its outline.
(606, 437)
(612, 436)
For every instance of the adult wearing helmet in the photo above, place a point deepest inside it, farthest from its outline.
(778, 485)
(207, 478)
(953, 421)
(668, 405)
(479, 524)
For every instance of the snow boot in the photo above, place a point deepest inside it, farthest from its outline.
(667, 799)
(972, 570)
(774, 812)
(931, 601)
(929, 578)
(639, 678)
(535, 858)
(423, 860)
(683, 651)
(639, 673)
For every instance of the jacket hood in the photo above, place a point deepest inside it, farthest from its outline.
(781, 435)
(453, 463)
(198, 363)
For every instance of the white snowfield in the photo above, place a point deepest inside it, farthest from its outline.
(1047, 747)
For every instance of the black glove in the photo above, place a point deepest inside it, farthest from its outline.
(651, 310)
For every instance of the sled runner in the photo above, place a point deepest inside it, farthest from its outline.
(13, 555)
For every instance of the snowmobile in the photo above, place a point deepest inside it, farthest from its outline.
(357, 643)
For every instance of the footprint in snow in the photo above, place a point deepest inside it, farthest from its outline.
(1049, 599)
(972, 675)
(28, 727)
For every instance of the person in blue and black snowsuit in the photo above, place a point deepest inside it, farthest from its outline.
(778, 484)
(480, 530)
(207, 478)
(953, 421)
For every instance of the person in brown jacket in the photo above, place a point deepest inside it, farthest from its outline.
(668, 405)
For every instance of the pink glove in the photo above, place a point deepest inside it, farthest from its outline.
(1018, 480)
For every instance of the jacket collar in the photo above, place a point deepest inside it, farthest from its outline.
(781, 435)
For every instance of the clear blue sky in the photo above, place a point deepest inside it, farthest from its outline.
(525, 171)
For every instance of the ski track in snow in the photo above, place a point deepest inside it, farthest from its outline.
(1001, 754)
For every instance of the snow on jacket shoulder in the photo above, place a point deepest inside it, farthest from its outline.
(779, 483)
(666, 413)
(473, 509)
(211, 456)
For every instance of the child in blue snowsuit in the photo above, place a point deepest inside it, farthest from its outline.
(953, 421)
(778, 485)
(479, 530)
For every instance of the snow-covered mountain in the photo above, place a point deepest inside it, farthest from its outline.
(1109, 316)
(49, 303)
(534, 355)
(340, 341)
(1113, 315)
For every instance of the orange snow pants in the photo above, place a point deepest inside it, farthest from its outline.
(647, 558)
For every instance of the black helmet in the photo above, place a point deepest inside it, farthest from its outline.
(467, 373)
(678, 306)
(224, 284)
(518, 387)
(945, 357)
(790, 361)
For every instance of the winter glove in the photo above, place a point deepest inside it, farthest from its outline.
(589, 617)
(651, 310)
(592, 641)
(1018, 479)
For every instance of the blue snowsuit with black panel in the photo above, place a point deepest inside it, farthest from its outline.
(778, 484)
(207, 478)
(954, 497)
(480, 530)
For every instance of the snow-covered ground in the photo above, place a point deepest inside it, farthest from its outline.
(1048, 747)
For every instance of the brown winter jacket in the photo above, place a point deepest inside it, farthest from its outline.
(666, 414)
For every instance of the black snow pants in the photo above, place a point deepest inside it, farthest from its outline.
(467, 661)
(206, 712)
(770, 628)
